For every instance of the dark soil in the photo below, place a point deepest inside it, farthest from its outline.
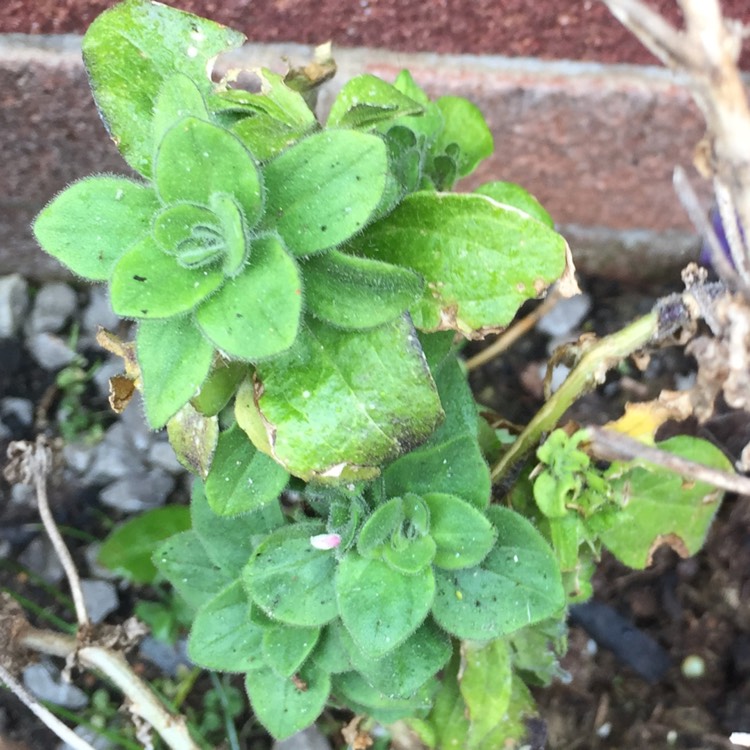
(699, 607)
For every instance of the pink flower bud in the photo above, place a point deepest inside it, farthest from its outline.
(325, 541)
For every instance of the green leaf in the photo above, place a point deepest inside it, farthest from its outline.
(130, 50)
(188, 224)
(286, 705)
(485, 686)
(193, 437)
(366, 100)
(517, 584)
(285, 648)
(242, 478)
(290, 580)
(361, 697)
(223, 636)
(510, 194)
(465, 126)
(148, 283)
(182, 560)
(402, 671)
(412, 557)
(197, 159)
(229, 542)
(128, 549)
(380, 607)
(448, 715)
(174, 359)
(91, 224)
(451, 460)
(178, 98)
(379, 527)
(330, 653)
(219, 387)
(660, 507)
(462, 534)
(427, 125)
(256, 313)
(356, 293)
(323, 190)
(338, 405)
(480, 259)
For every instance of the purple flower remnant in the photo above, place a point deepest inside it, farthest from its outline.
(325, 541)
(721, 236)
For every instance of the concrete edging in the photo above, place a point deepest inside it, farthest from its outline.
(596, 143)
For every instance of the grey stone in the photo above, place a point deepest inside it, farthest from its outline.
(54, 305)
(161, 454)
(98, 312)
(96, 740)
(134, 419)
(23, 495)
(164, 655)
(14, 301)
(115, 457)
(100, 597)
(109, 368)
(565, 316)
(44, 681)
(20, 408)
(40, 557)
(50, 351)
(132, 494)
(5, 432)
(5, 549)
(78, 456)
(308, 739)
(91, 553)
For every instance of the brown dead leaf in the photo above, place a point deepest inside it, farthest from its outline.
(354, 737)
(121, 390)
(671, 540)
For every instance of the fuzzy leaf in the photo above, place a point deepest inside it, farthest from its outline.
(197, 159)
(223, 636)
(380, 607)
(480, 259)
(290, 580)
(182, 560)
(428, 125)
(242, 478)
(379, 527)
(451, 460)
(402, 671)
(256, 313)
(144, 43)
(193, 437)
(148, 283)
(510, 194)
(91, 224)
(229, 542)
(286, 705)
(219, 387)
(356, 293)
(174, 359)
(338, 405)
(462, 534)
(517, 584)
(128, 549)
(323, 190)
(358, 695)
(485, 686)
(178, 98)
(411, 558)
(330, 653)
(365, 101)
(660, 507)
(465, 126)
(176, 225)
(285, 648)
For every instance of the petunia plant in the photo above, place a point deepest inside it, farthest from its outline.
(300, 290)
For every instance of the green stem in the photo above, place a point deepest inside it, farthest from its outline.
(588, 373)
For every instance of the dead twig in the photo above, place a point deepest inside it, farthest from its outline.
(64, 732)
(31, 463)
(610, 445)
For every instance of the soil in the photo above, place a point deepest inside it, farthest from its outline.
(553, 29)
(699, 607)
